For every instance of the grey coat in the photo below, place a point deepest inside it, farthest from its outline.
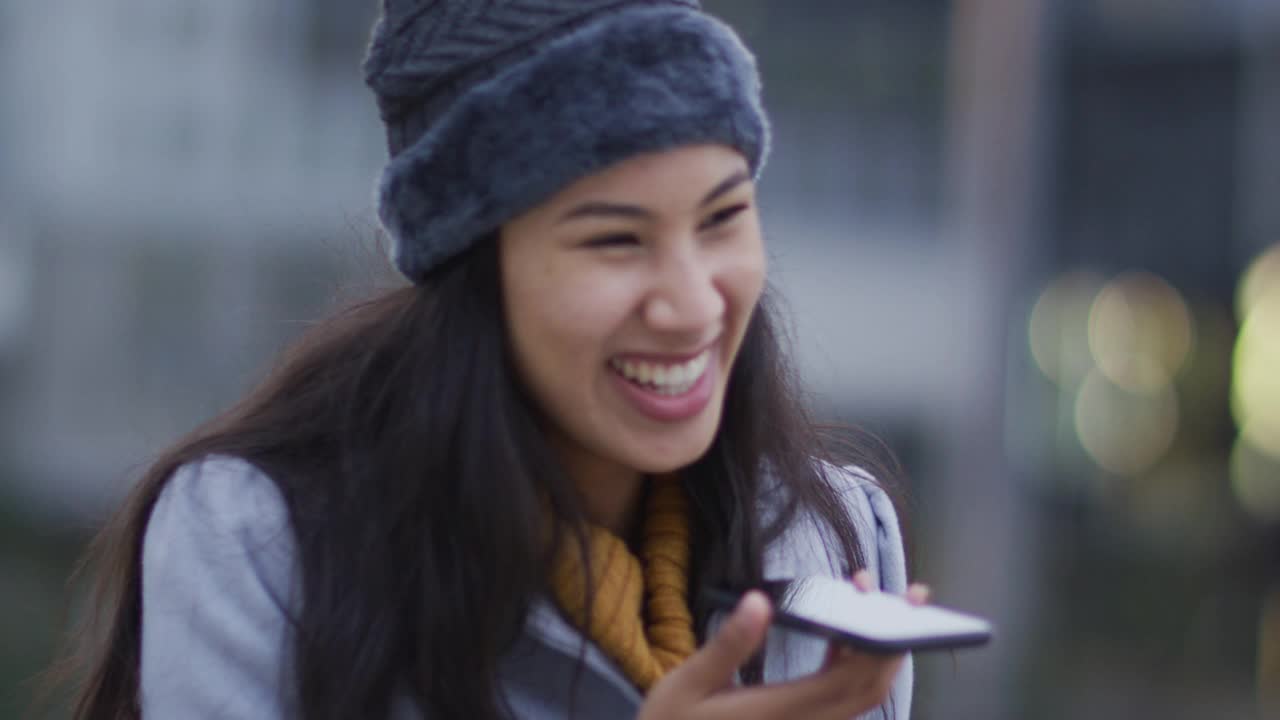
(218, 585)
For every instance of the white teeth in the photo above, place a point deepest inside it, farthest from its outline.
(675, 376)
(659, 375)
(665, 379)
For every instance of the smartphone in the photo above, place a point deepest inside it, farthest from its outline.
(873, 621)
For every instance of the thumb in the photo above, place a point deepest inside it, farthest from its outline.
(712, 668)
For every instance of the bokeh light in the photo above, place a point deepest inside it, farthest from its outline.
(1255, 478)
(1059, 327)
(1262, 278)
(1255, 382)
(1140, 332)
(1125, 432)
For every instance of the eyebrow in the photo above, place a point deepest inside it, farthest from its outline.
(607, 209)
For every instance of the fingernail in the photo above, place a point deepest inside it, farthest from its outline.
(753, 602)
(919, 593)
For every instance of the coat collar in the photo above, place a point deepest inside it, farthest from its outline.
(546, 625)
(800, 551)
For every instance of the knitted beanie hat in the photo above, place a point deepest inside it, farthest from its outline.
(492, 106)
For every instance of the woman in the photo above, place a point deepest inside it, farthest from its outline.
(502, 490)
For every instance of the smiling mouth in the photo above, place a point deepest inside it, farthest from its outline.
(663, 378)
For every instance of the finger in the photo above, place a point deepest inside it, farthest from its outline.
(712, 668)
(864, 581)
(833, 650)
(918, 594)
(871, 674)
(857, 682)
(875, 688)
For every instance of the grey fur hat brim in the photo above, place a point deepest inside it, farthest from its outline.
(641, 80)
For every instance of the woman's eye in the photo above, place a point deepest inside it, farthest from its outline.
(607, 241)
(721, 217)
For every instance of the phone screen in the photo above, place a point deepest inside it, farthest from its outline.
(878, 622)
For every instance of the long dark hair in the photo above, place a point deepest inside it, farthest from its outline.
(416, 478)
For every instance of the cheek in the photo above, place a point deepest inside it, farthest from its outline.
(562, 325)
(742, 277)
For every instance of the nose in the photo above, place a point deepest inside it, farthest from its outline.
(685, 297)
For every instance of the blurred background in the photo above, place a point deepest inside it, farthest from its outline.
(1035, 244)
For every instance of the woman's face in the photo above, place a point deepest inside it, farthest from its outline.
(627, 295)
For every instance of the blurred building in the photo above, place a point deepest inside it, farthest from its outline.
(180, 181)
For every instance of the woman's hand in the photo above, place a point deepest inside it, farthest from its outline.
(850, 682)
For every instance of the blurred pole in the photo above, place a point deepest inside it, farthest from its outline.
(994, 131)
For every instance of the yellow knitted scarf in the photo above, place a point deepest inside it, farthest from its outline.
(645, 642)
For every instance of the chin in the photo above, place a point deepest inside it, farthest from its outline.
(666, 458)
